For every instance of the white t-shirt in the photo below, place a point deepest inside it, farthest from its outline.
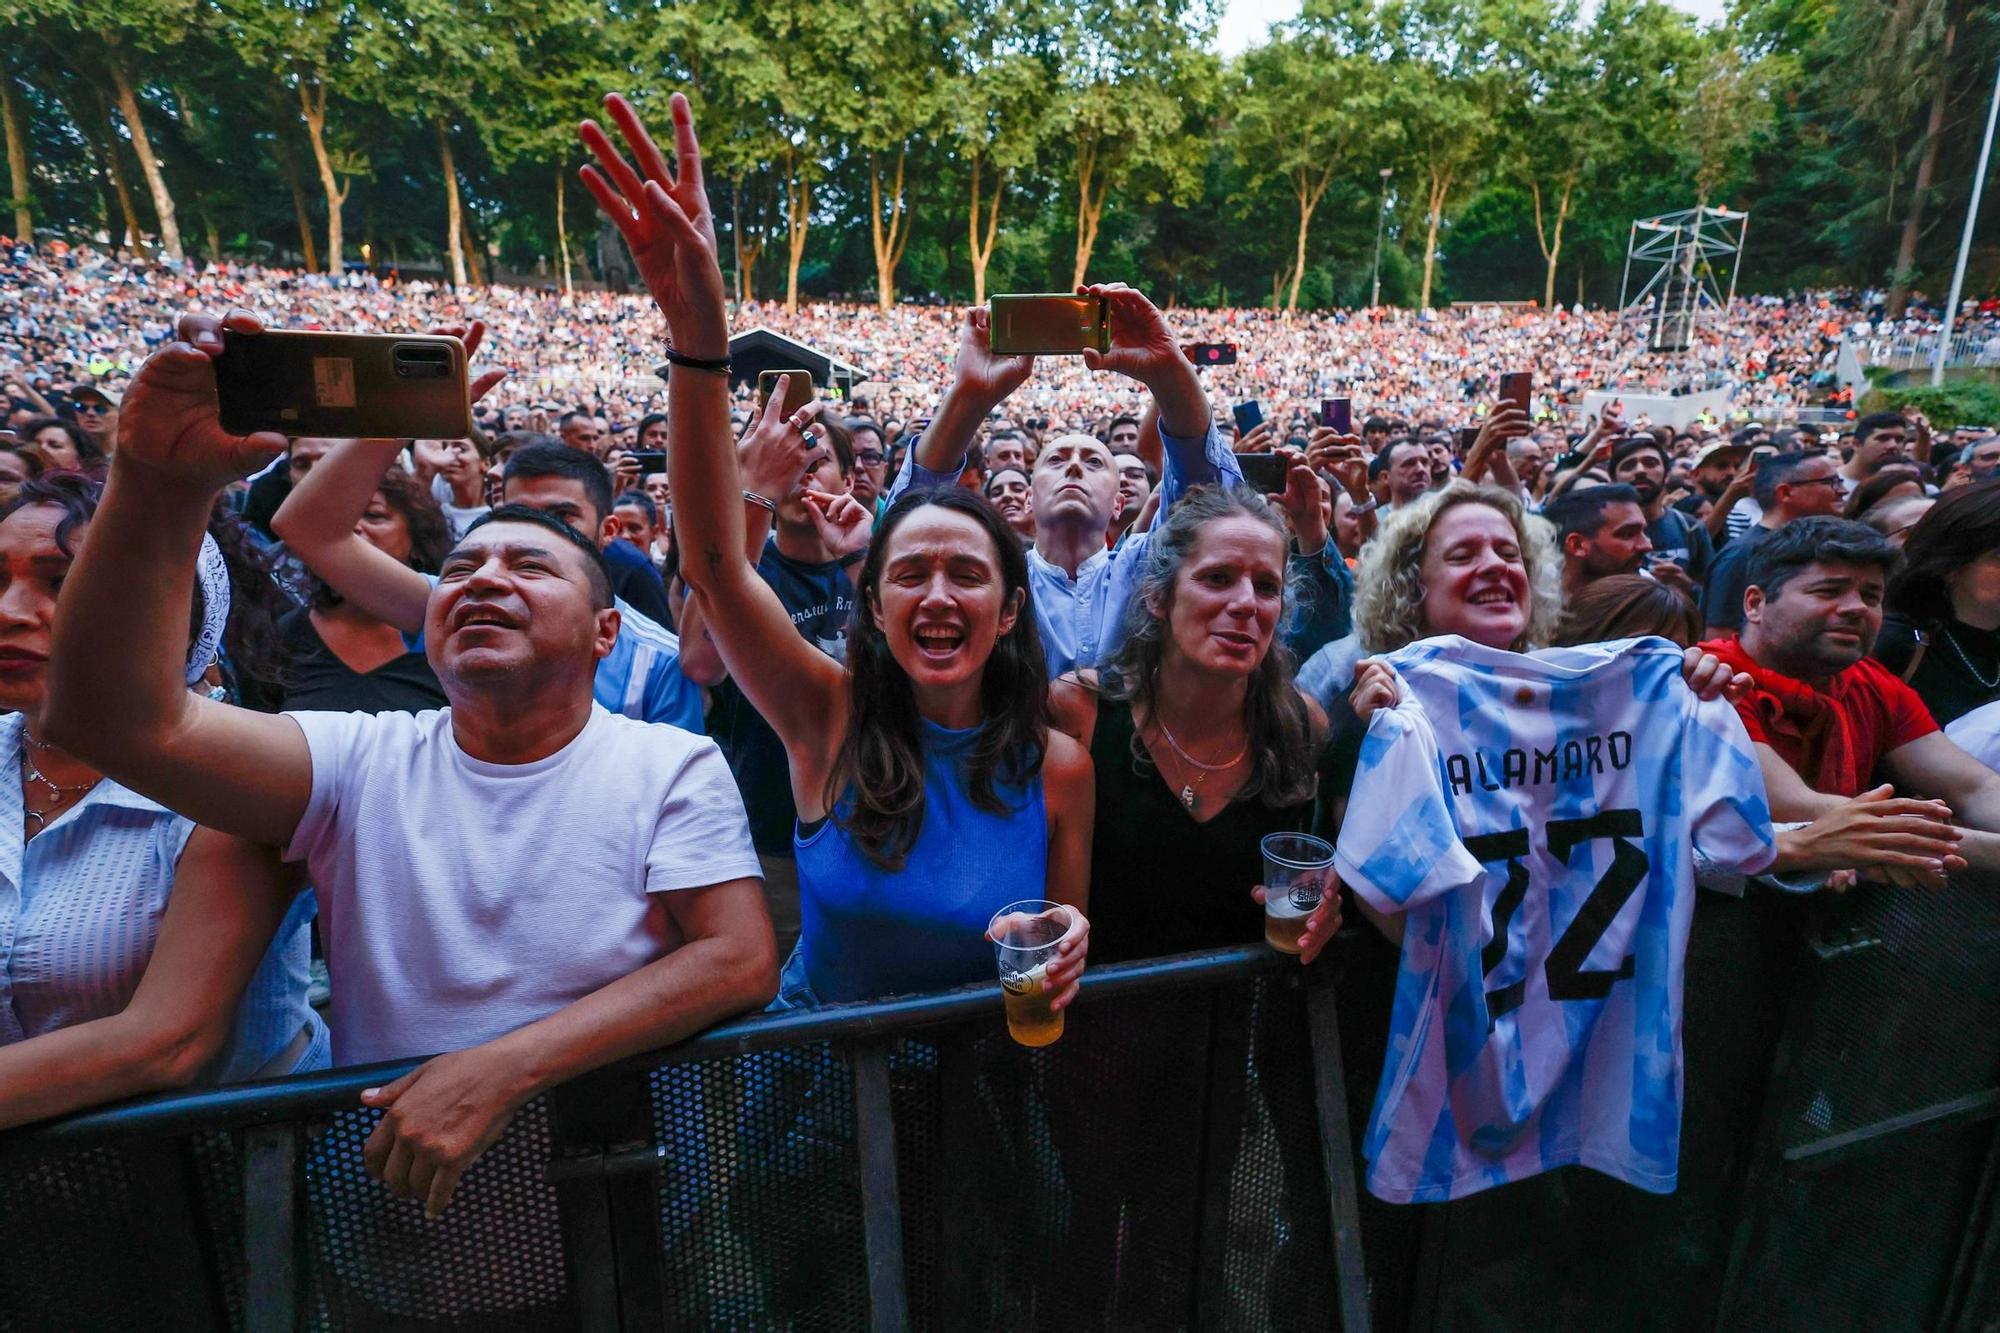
(460, 900)
(1978, 734)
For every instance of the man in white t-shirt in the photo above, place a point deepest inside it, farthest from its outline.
(523, 880)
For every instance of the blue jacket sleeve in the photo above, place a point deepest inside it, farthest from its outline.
(915, 475)
(1325, 606)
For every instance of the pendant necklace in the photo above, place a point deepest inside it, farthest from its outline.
(1189, 790)
(57, 791)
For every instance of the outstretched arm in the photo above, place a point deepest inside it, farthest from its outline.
(317, 522)
(980, 382)
(666, 224)
(1143, 346)
(116, 695)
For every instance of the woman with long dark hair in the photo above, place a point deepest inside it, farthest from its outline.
(930, 790)
(1199, 743)
(1942, 630)
(341, 658)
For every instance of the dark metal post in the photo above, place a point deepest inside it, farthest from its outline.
(881, 1212)
(270, 1229)
(1336, 1144)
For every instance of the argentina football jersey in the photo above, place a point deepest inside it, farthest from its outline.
(1534, 817)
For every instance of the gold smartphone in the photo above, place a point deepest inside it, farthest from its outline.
(798, 392)
(343, 385)
(1049, 324)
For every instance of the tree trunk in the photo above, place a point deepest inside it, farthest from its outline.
(1089, 212)
(798, 209)
(982, 252)
(475, 262)
(149, 166)
(1440, 191)
(1308, 194)
(1913, 220)
(454, 222)
(213, 235)
(312, 105)
(889, 246)
(17, 160)
(289, 169)
(562, 226)
(134, 237)
(1551, 249)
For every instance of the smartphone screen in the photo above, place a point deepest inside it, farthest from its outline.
(650, 461)
(1210, 354)
(1337, 414)
(340, 386)
(1248, 416)
(1516, 386)
(797, 395)
(1048, 324)
(1265, 472)
(1466, 436)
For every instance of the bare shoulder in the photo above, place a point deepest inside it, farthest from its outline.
(1066, 767)
(1073, 705)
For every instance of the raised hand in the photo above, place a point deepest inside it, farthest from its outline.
(472, 335)
(772, 455)
(1256, 440)
(844, 523)
(1339, 457)
(1144, 347)
(980, 372)
(1374, 687)
(1301, 501)
(1503, 423)
(663, 216)
(169, 422)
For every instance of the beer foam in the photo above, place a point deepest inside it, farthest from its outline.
(1281, 905)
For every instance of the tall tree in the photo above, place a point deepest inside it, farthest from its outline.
(1001, 82)
(12, 117)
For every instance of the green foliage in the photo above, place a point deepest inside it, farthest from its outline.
(1250, 182)
(1963, 403)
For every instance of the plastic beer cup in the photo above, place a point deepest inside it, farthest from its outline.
(1025, 937)
(1298, 870)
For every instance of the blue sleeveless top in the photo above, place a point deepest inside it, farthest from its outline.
(867, 932)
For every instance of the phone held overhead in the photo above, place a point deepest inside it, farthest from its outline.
(1049, 324)
(798, 388)
(340, 386)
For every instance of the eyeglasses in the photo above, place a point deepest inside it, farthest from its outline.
(870, 459)
(94, 409)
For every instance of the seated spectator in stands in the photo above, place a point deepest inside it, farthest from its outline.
(1080, 588)
(60, 445)
(1941, 635)
(1875, 828)
(1012, 494)
(1891, 483)
(642, 676)
(1601, 530)
(1881, 439)
(1788, 487)
(1681, 547)
(489, 889)
(140, 951)
(341, 659)
(1826, 717)
(1199, 744)
(930, 791)
(780, 465)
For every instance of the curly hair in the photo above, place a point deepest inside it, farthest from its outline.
(430, 533)
(1276, 721)
(1389, 585)
(254, 657)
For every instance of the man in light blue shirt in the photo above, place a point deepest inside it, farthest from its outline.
(1080, 588)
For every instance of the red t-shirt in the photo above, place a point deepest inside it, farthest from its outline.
(1862, 714)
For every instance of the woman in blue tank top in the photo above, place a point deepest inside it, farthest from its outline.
(931, 791)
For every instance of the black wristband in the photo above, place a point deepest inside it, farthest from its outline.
(852, 558)
(718, 366)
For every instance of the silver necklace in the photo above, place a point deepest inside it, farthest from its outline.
(58, 793)
(1189, 790)
(1963, 656)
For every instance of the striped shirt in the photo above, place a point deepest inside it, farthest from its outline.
(80, 909)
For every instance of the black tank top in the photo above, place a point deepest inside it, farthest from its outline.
(1161, 882)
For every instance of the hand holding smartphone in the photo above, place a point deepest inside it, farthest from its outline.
(798, 388)
(1048, 324)
(1337, 414)
(1517, 387)
(343, 385)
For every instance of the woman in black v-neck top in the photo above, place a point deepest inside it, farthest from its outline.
(1200, 742)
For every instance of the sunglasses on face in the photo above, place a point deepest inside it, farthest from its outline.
(94, 409)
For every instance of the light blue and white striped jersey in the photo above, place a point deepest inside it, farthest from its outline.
(1533, 816)
(641, 676)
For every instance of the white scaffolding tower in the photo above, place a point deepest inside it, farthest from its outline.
(1685, 251)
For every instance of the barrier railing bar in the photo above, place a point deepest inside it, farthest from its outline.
(1834, 1150)
(175, 1267)
(881, 1210)
(1228, 1047)
(301, 1096)
(270, 1229)
(1330, 1093)
(583, 1207)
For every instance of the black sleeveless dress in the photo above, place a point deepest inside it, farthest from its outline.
(1162, 882)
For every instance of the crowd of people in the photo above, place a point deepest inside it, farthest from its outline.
(562, 757)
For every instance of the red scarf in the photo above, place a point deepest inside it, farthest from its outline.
(1806, 727)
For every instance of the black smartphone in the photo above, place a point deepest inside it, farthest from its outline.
(1466, 436)
(1210, 354)
(1248, 416)
(1265, 472)
(1516, 387)
(343, 385)
(651, 461)
(1337, 414)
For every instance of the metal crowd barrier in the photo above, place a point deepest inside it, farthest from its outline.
(1182, 1158)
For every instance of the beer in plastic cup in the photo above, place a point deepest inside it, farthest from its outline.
(1298, 869)
(1025, 937)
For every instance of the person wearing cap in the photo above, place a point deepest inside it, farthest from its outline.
(96, 410)
(1724, 472)
(1682, 550)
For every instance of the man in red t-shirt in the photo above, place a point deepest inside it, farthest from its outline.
(1824, 715)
